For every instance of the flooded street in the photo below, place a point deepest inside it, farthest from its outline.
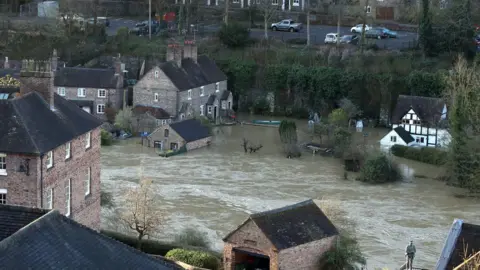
(214, 189)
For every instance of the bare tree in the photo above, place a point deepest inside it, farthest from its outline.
(140, 213)
(227, 7)
(268, 9)
(365, 14)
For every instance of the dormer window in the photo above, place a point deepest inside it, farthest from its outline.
(202, 91)
(217, 87)
(189, 94)
(156, 74)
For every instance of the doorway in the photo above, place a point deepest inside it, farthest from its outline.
(173, 146)
(158, 145)
(286, 4)
(215, 113)
(245, 260)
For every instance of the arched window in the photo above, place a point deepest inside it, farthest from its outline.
(165, 133)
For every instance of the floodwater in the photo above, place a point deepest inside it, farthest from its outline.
(214, 189)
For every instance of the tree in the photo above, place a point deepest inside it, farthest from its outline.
(349, 108)
(234, 35)
(426, 39)
(268, 11)
(338, 117)
(288, 136)
(124, 119)
(140, 213)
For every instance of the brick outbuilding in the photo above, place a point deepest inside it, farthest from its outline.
(290, 238)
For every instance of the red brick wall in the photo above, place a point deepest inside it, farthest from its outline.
(25, 190)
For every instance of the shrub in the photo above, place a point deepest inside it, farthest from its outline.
(124, 119)
(105, 138)
(379, 169)
(338, 117)
(195, 258)
(428, 155)
(148, 246)
(234, 35)
(345, 255)
(106, 199)
(297, 41)
(192, 237)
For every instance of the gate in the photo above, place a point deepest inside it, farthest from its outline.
(385, 13)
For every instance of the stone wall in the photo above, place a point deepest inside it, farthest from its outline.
(306, 256)
(199, 143)
(158, 135)
(114, 97)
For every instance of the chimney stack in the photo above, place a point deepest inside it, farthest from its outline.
(190, 50)
(6, 64)
(119, 68)
(174, 53)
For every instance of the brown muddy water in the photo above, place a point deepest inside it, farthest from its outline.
(214, 189)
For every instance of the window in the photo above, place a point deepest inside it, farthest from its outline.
(368, 9)
(202, 91)
(49, 159)
(189, 94)
(68, 150)
(68, 198)
(416, 122)
(3, 164)
(3, 196)
(217, 87)
(209, 108)
(405, 121)
(50, 198)
(101, 108)
(443, 4)
(156, 73)
(201, 109)
(61, 91)
(155, 97)
(420, 139)
(164, 122)
(393, 138)
(235, 1)
(274, 2)
(296, 3)
(224, 105)
(88, 140)
(102, 93)
(88, 180)
(165, 133)
(81, 92)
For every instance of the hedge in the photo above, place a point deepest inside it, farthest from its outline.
(195, 258)
(428, 155)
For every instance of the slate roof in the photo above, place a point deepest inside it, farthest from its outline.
(27, 125)
(428, 109)
(156, 112)
(469, 239)
(86, 77)
(404, 135)
(225, 95)
(184, 107)
(57, 242)
(211, 99)
(293, 225)
(193, 74)
(13, 218)
(191, 130)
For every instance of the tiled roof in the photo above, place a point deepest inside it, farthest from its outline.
(156, 112)
(28, 125)
(193, 74)
(184, 107)
(293, 225)
(428, 109)
(57, 242)
(13, 218)
(211, 99)
(404, 135)
(225, 95)
(86, 77)
(191, 130)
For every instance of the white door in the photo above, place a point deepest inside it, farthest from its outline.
(87, 109)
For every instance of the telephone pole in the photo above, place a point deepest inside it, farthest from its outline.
(150, 19)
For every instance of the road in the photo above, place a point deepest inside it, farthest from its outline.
(317, 34)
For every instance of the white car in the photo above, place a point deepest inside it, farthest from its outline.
(358, 28)
(331, 38)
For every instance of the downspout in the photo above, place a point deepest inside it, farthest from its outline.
(41, 181)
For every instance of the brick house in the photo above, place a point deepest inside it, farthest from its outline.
(290, 238)
(189, 133)
(49, 150)
(150, 118)
(184, 84)
(44, 239)
(92, 89)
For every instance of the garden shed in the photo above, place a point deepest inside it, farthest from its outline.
(292, 237)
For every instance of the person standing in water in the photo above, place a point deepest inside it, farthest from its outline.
(410, 251)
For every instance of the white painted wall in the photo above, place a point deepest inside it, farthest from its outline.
(387, 142)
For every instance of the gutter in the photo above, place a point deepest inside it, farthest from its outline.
(41, 181)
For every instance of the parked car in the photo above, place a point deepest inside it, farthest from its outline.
(287, 25)
(141, 28)
(331, 38)
(388, 32)
(100, 20)
(358, 28)
(349, 39)
(375, 33)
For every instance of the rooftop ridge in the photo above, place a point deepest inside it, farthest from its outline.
(283, 209)
(17, 112)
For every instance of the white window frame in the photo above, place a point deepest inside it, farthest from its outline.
(296, 3)
(189, 95)
(68, 150)
(202, 91)
(275, 2)
(88, 140)
(156, 74)
(49, 159)
(155, 97)
(217, 87)
(201, 110)
(368, 9)
(224, 105)
(88, 181)
(61, 91)
(393, 138)
(49, 198)
(235, 1)
(81, 92)
(68, 197)
(104, 93)
(3, 196)
(442, 4)
(99, 110)
(209, 109)
(3, 164)
(164, 122)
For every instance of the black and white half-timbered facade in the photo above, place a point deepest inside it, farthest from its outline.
(423, 118)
